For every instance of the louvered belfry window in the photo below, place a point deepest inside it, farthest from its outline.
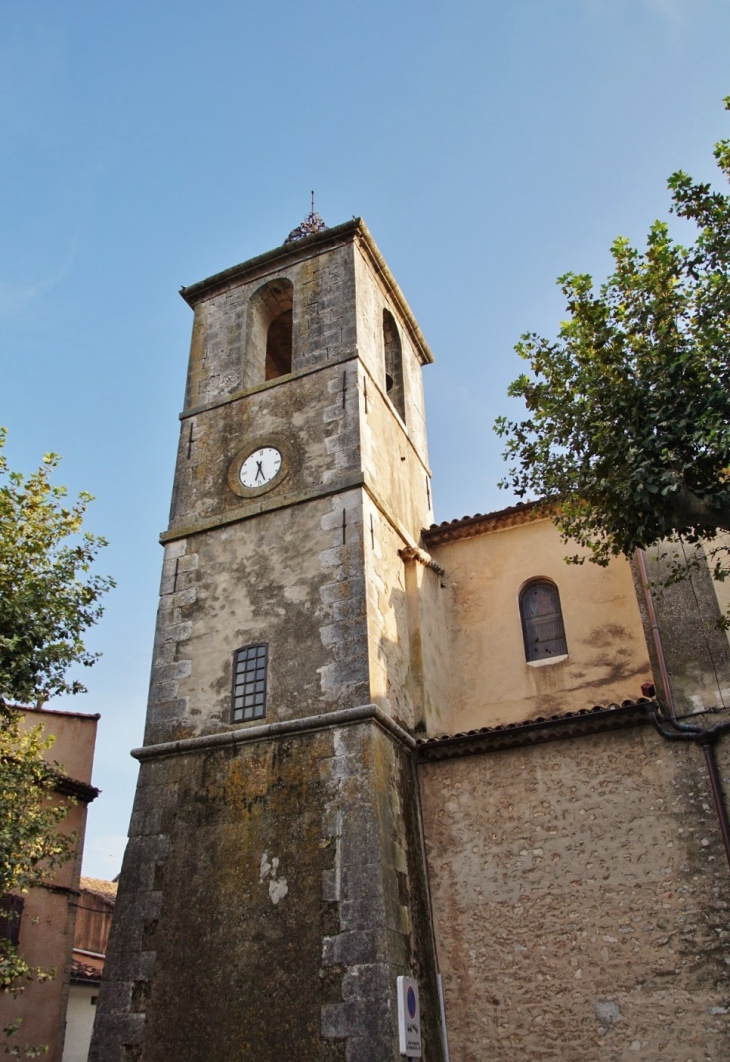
(249, 683)
(542, 621)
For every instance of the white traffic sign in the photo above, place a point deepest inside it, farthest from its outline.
(409, 1018)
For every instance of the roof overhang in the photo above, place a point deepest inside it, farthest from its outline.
(537, 731)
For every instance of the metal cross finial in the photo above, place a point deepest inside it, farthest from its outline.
(311, 224)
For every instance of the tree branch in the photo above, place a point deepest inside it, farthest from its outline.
(690, 510)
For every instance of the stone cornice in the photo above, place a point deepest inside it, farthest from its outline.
(267, 504)
(363, 713)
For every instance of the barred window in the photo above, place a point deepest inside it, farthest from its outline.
(249, 683)
(542, 621)
(11, 910)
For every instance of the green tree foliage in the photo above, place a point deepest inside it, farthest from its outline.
(31, 846)
(48, 599)
(628, 425)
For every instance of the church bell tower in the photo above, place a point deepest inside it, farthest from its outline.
(274, 883)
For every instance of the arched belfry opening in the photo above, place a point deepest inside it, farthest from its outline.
(393, 364)
(279, 345)
(269, 346)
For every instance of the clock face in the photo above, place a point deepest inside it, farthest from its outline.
(260, 467)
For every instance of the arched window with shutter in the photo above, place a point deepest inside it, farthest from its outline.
(11, 911)
(542, 621)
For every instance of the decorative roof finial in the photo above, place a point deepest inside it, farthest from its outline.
(311, 224)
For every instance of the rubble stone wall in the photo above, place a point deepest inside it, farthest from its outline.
(581, 894)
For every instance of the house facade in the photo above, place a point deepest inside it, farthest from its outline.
(43, 919)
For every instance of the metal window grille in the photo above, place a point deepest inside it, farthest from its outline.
(542, 621)
(249, 683)
(11, 909)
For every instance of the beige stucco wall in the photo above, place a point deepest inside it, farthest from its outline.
(580, 895)
(491, 682)
(75, 737)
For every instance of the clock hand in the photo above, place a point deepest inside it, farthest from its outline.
(259, 470)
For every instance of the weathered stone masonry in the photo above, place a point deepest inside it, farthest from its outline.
(581, 899)
(274, 885)
(421, 795)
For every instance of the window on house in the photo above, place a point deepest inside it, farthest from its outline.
(542, 621)
(249, 683)
(393, 363)
(11, 910)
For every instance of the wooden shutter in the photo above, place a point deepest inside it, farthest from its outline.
(11, 910)
(542, 621)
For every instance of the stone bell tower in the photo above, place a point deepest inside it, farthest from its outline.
(274, 884)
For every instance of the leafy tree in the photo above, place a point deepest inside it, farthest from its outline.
(48, 600)
(47, 597)
(31, 846)
(628, 425)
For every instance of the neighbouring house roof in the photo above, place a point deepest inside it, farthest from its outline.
(482, 523)
(106, 890)
(82, 973)
(74, 788)
(538, 730)
(56, 711)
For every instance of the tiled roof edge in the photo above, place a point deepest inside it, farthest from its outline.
(74, 788)
(53, 712)
(99, 887)
(481, 523)
(83, 974)
(537, 731)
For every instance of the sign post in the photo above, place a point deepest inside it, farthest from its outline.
(409, 1018)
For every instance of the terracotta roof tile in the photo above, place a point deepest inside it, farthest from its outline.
(81, 971)
(481, 523)
(534, 731)
(107, 890)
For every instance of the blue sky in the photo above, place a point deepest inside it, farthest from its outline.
(488, 146)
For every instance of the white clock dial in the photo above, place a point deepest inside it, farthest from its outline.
(260, 467)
